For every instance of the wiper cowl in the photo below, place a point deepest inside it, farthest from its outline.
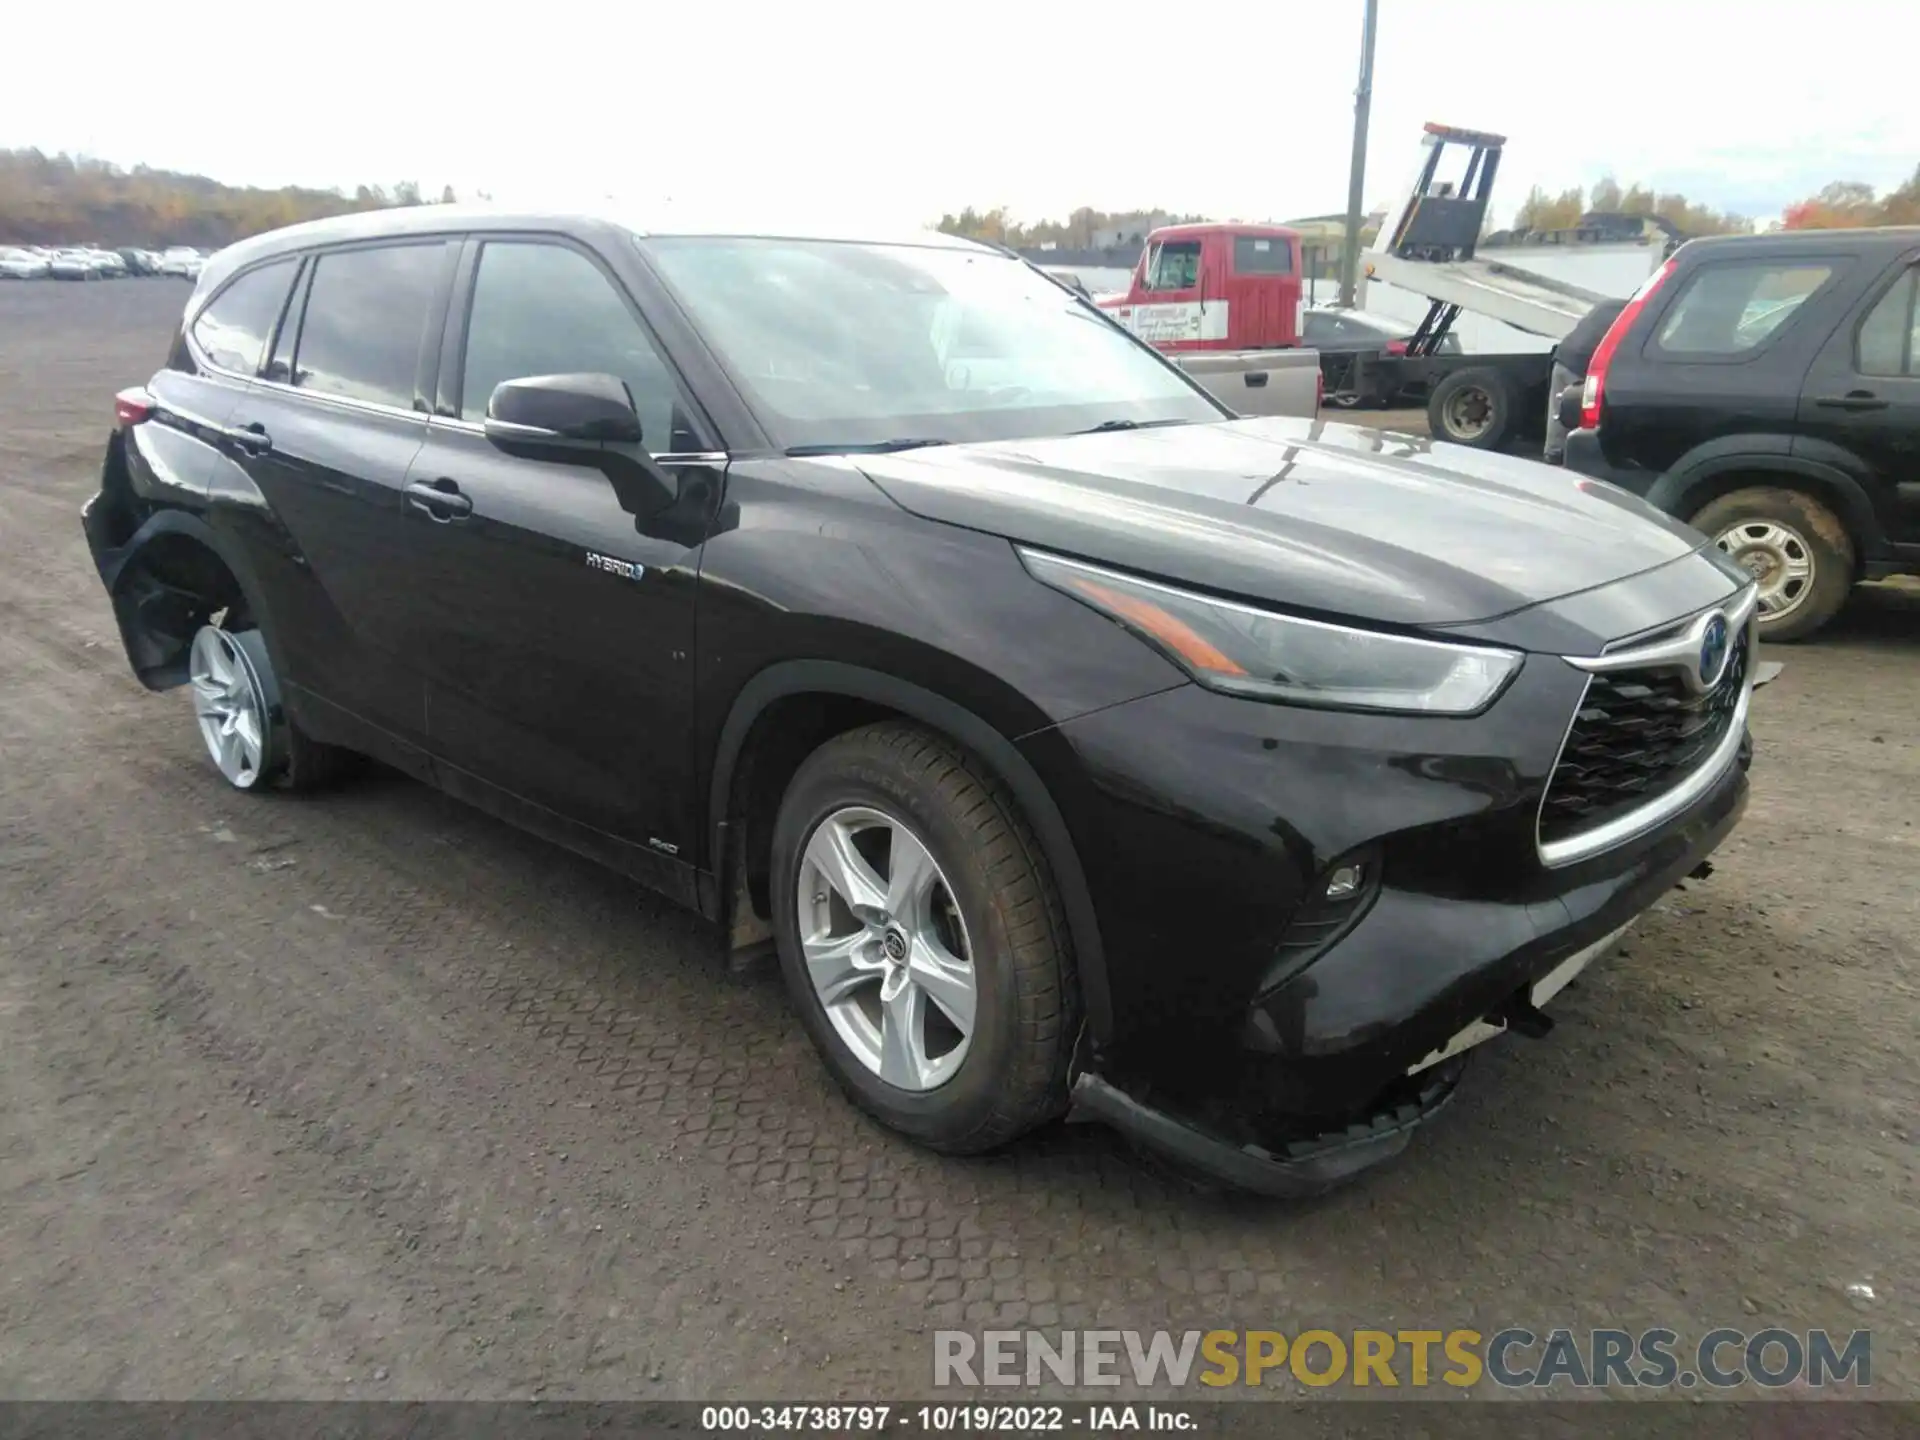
(871, 447)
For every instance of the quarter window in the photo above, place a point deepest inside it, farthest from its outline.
(1889, 342)
(1729, 309)
(232, 331)
(543, 309)
(366, 317)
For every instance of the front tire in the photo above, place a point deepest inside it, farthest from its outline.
(922, 938)
(1797, 550)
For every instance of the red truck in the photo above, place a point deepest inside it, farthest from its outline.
(1225, 302)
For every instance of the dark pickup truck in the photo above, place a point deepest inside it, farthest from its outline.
(1766, 389)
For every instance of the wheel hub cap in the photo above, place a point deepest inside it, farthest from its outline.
(1777, 557)
(1468, 412)
(886, 948)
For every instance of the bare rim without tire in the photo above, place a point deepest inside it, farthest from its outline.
(228, 704)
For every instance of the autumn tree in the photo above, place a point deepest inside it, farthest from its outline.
(1848, 204)
(1541, 211)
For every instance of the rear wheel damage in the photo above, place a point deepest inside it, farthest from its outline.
(186, 620)
(235, 724)
(249, 736)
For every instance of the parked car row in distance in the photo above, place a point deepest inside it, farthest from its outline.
(89, 262)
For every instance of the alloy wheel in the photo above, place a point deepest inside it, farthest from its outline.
(227, 703)
(886, 948)
(1777, 557)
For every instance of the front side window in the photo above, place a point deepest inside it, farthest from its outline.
(1729, 309)
(1173, 265)
(1889, 340)
(232, 331)
(848, 344)
(546, 309)
(366, 317)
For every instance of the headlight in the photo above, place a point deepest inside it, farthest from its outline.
(1265, 656)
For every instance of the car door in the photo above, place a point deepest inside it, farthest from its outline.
(558, 641)
(340, 412)
(1863, 395)
(1169, 307)
(181, 457)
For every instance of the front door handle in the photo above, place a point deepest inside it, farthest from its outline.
(1852, 400)
(439, 499)
(1256, 379)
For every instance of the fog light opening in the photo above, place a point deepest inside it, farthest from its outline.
(1345, 881)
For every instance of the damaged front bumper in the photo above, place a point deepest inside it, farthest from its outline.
(1295, 1171)
(1177, 1131)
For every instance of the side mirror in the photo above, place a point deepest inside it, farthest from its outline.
(562, 409)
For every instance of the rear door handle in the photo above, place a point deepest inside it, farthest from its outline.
(1256, 379)
(251, 438)
(439, 499)
(1852, 400)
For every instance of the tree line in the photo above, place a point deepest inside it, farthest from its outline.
(62, 199)
(1542, 211)
(1077, 232)
(1839, 205)
(1846, 204)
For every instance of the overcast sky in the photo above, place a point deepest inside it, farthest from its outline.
(895, 112)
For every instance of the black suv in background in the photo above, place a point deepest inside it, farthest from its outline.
(1076, 745)
(1766, 388)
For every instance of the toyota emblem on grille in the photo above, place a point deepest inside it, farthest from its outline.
(1713, 652)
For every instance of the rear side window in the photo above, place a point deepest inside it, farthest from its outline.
(1174, 265)
(366, 316)
(1262, 255)
(1889, 340)
(1730, 309)
(232, 332)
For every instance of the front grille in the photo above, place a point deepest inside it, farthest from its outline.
(1638, 734)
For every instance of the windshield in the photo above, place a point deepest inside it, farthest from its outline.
(843, 345)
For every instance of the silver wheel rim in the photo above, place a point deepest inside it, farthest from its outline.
(886, 948)
(1779, 559)
(227, 704)
(1469, 411)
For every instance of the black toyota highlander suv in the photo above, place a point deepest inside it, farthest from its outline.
(1766, 388)
(1078, 747)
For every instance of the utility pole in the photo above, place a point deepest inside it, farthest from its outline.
(1356, 182)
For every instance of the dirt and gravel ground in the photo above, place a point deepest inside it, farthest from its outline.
(369, 1095)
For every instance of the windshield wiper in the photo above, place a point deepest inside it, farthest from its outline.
(876, 447)
(1106, 425)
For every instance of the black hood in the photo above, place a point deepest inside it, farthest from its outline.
(1302, 514)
